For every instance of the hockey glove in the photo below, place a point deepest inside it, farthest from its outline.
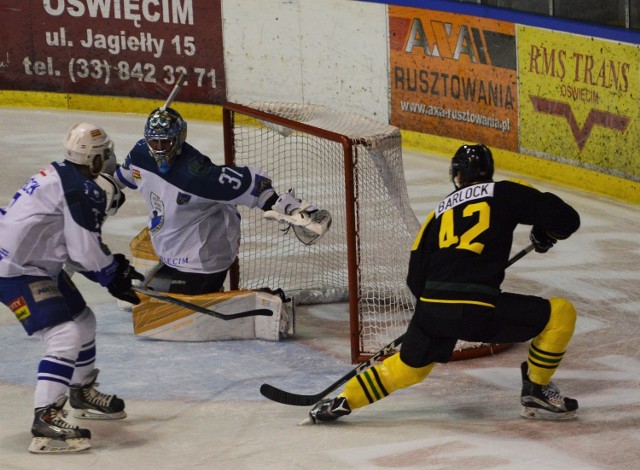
(542, 241)
(289, 204)
(309, 223)
(120, 287)
(115, 196)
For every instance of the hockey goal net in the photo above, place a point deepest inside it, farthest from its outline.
(351, 166)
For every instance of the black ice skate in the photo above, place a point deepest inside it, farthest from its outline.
(544, 401)
(52, 434)
(89, 403)
(329, 409)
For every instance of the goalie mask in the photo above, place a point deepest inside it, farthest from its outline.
(471, 164)
(88, 145)
(165, 132)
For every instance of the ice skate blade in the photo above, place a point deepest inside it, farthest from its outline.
(305, 421)
(538, 413)
(124, 306)
(46, 445)
(96, 415)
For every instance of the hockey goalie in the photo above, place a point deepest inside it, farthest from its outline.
(193, 237)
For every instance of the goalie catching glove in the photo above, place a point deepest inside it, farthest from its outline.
(309, 223)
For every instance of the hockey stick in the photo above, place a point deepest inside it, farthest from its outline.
(176, 89)
(151, 274)
(297, 399)
(520, 254)
(263, 312)
(288, 398)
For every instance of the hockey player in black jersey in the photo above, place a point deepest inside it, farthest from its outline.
(457, 265)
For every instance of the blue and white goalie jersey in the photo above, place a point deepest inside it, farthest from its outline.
(193, 220)
(55, 219)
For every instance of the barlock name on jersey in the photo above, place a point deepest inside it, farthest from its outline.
(470, 193)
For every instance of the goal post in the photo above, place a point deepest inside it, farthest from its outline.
(269, 155)
(351, 166)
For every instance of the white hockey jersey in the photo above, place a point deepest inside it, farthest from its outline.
(193, 220)
(55, 219)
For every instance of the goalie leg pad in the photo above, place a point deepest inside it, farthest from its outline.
(158, 320)
(278, 326)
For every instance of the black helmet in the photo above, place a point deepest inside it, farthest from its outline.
(471, 164)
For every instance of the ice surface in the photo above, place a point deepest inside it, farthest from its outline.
(197, 405)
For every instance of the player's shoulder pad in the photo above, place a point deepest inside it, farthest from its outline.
(198, 164)
(425, 224)
(519, 181)
(86, 200)
(139, 156)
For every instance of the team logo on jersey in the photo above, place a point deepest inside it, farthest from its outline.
(19, 308)
(177, 261)
(198, 166)
(43, 290)
(136, 173)
(94, 192)
(30, 186)
(183, 198)
(156, 219)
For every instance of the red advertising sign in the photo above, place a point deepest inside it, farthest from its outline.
(113, 47)
(454, 75)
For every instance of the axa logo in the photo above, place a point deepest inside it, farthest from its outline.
(453, 41)
(596, 117)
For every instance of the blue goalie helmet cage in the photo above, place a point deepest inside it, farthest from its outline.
(165, 132)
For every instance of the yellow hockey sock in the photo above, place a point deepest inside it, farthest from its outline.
(547, 349)
(381, 380)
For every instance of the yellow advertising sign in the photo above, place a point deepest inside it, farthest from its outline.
(579, 100)
(454, 75)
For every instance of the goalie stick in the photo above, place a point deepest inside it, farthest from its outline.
(148, 277)
(298, 399)
(176, 89)
(264, 312)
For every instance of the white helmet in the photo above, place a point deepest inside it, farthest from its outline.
(84, 143)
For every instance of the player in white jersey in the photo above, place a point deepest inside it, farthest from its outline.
(54, 220)
(194, 223)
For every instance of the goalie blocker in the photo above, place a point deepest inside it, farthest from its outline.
(309, 223)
